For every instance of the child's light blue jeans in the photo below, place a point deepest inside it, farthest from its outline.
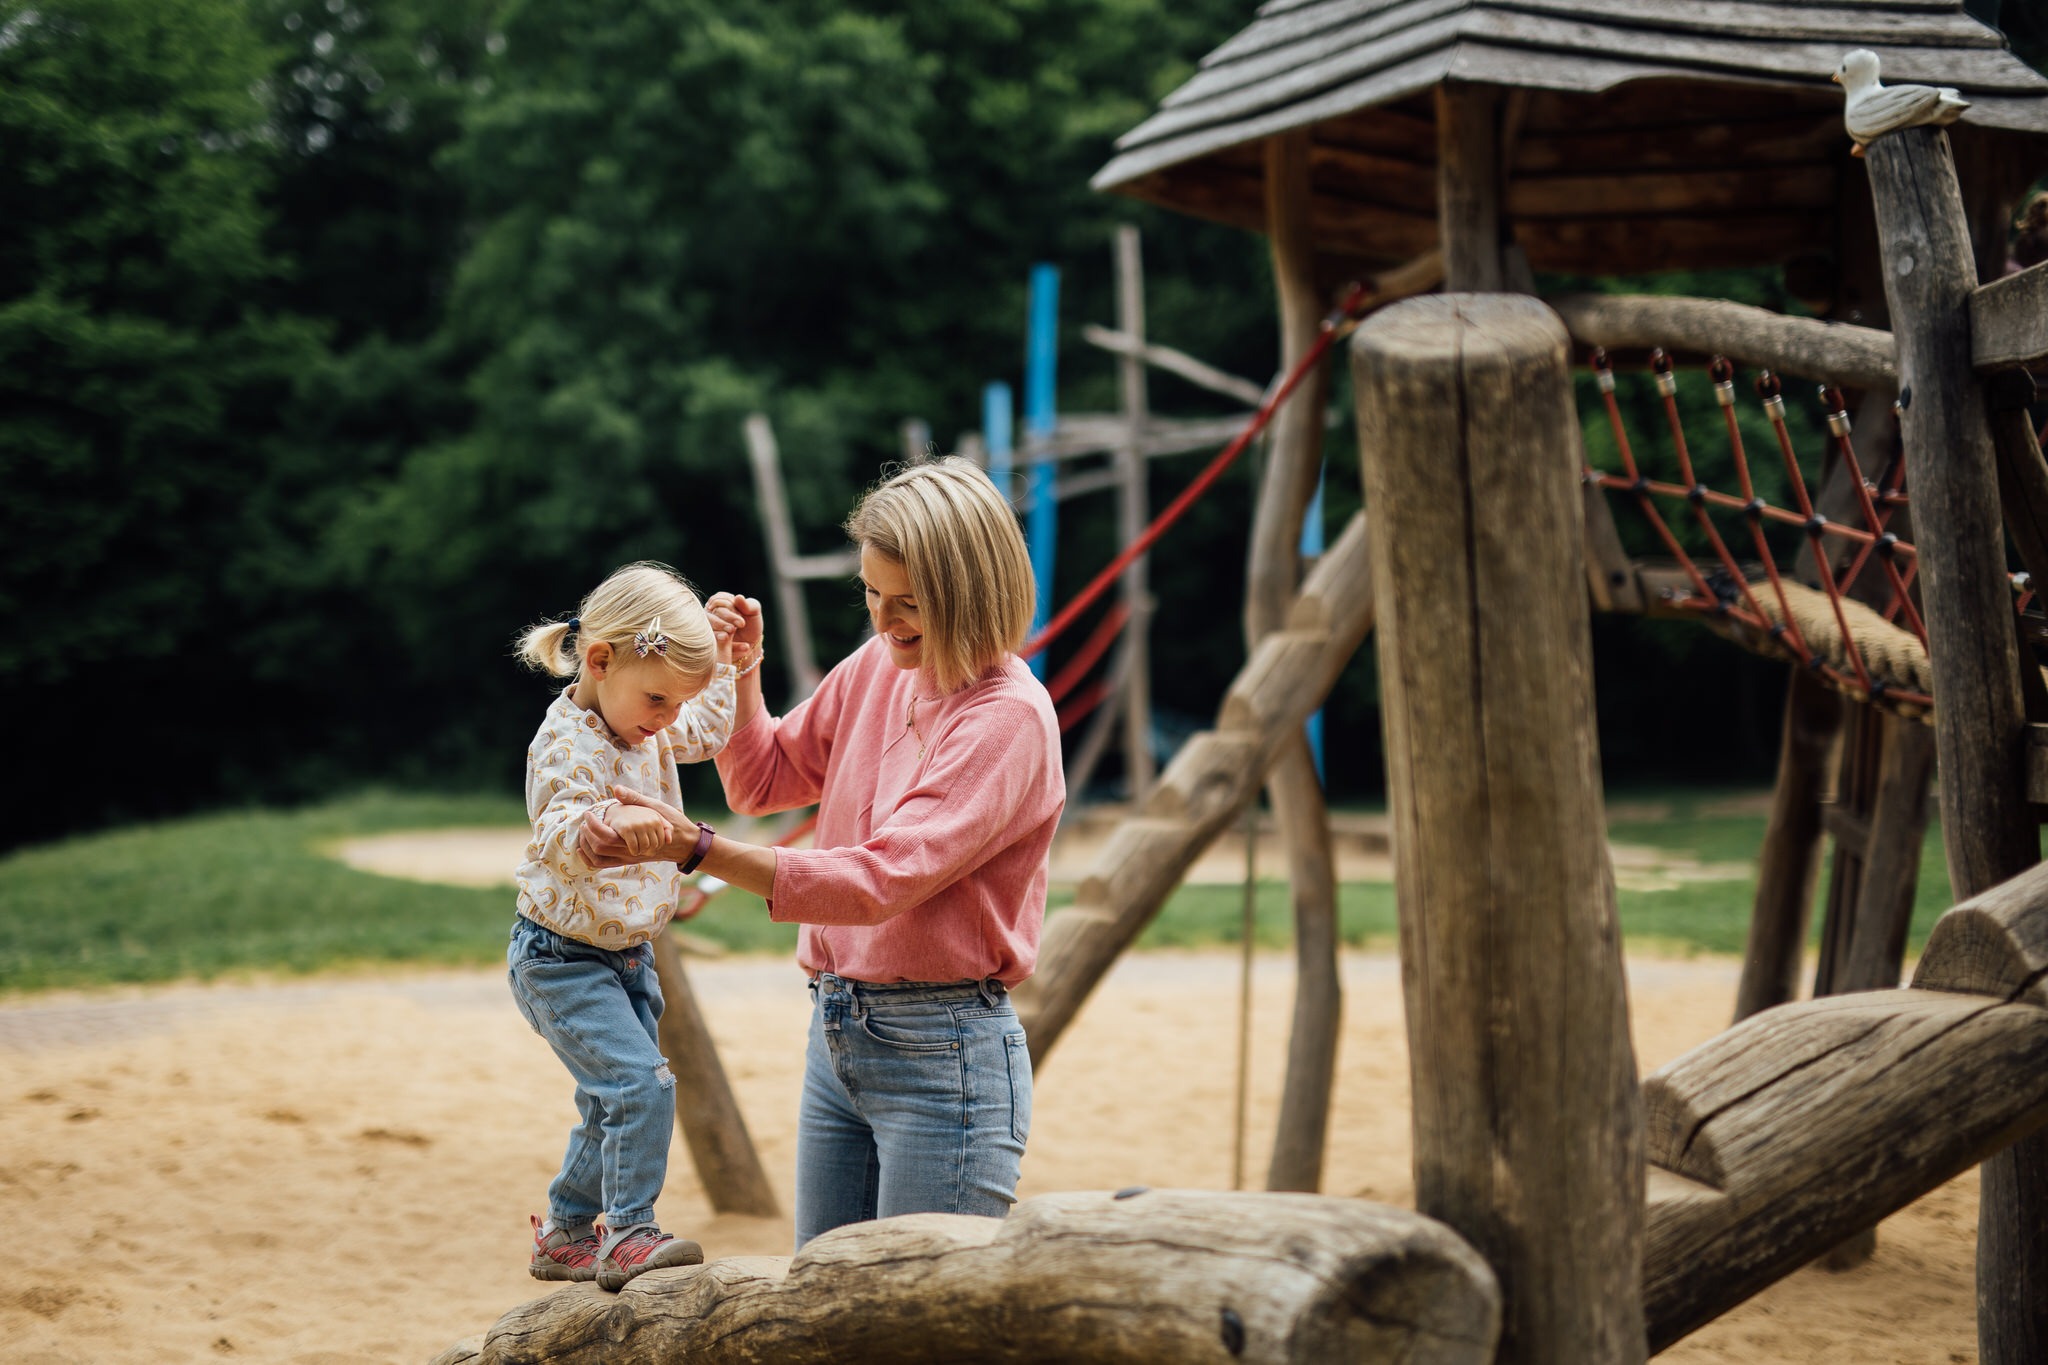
(917, 1099)
(598, 1009)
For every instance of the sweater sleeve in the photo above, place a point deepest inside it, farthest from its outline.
(775, 763)
(704, 725)
(563, 785)
(986, 782)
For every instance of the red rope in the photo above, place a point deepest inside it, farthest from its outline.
(1084, 658)
(1332, 328)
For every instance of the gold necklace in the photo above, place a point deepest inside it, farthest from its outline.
(910, 723)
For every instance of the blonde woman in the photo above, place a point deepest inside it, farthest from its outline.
(933, 756)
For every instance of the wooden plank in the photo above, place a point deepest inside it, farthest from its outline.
(1987, 828)
(1510, 952)
(2037, 764)
(1396, 181)
(1287, 485)
(1179, 363)
(1194, 1278)
(783, 562)
(1808, 1122)
(1846, 827)
(2023, 499)
(1859, 357)
(2009, 320)
(1640, 243)
(1920, 26)
(1613, 191)
(1995, 943)
(1732, 143)
(1891, 866)
(1788, 863)
(1133, 590)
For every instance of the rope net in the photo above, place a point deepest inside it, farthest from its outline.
(1855, 622)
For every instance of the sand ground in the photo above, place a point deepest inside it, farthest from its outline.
(337, 1171)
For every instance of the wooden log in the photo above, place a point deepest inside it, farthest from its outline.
(2009, 320)
(1995, 943)
(1805, 1123)
(1788, 864)
(2037, 764)
(2022, 476)
(1294, 462)
(1134, 650)
(713, 1127)
(1510, 951)
(1138, 1278)
(1860, 357)
(1980, 722)
(1952, 470)
(1891, 862)
(1468, 191)
(1286, 678)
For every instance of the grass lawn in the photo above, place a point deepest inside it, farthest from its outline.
(258, 891)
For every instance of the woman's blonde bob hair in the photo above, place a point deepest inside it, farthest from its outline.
(959, 545)
(637, 599)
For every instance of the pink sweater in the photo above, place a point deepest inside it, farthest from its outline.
(933, 823)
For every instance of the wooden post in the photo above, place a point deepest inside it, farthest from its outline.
(1293, 463)
(720, 1145)
(1789, 863)
(789, 568)
(1980, 726)
(1527, 1117)
(1468, 197)
(1132, 515)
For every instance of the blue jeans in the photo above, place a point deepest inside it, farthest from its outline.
(598, 1009)
(917, 1099)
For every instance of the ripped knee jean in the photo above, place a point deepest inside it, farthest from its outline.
(598, 1010)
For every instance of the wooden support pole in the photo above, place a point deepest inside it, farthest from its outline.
(1510, 948)
(1980, 726)
(1294, 461)
(1468, 197)
(1132, 516)
(716, 1132)
(1788, 866)
(788, 567)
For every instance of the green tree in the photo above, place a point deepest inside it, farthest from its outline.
(140, 375)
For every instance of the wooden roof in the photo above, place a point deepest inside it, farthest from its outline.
(1647, 134)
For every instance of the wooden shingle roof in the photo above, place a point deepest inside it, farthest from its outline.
(1646, 133)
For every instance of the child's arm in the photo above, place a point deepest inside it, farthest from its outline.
(644, 831)
(705, 722)
(566, 779)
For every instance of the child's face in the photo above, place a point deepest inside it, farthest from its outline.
(639, 698)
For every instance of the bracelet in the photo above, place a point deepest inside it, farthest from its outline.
(752, 664)
(703, 847)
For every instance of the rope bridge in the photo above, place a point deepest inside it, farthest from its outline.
(1876, 654)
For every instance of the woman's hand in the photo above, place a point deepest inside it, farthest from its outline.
(604, 846)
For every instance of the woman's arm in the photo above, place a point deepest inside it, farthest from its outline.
(750, 867)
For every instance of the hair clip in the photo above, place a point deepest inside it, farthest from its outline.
(651, 638)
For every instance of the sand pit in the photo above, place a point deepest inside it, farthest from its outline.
(338, 1171)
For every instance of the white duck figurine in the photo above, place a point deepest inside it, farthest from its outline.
(1872, 110)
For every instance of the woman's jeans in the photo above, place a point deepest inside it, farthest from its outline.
(917, 1099)
(597, 1009)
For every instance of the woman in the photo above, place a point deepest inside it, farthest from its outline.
(933, 756)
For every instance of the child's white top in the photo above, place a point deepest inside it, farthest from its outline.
(571, 767)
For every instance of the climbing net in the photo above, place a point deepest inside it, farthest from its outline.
(1871, 645)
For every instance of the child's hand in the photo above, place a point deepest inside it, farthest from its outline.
(643, 831)
(740, 618)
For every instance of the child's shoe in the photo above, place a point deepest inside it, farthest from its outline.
(637, 1250)
(558, 1256)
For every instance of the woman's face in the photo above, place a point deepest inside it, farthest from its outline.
(892, 606)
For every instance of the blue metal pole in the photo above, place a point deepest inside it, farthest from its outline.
(995, 435)
(1311, 546)
(1041, 364)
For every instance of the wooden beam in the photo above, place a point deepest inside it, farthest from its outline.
(784, 564)
(1788, 864)
(1995, 943)
(2009, 321)
(1980, 722)
(1798, 1127)
(1510, 950)
(1294, 462)
(1134, 649)
(1468, 186)
(1199, 373)
(1166, 1275)
(1859, 357)
(713, 1128)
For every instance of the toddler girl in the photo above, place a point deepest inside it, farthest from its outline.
(654, 686)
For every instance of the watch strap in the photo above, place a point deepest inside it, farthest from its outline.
(703, 847)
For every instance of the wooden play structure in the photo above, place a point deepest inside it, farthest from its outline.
(1564, 1212)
